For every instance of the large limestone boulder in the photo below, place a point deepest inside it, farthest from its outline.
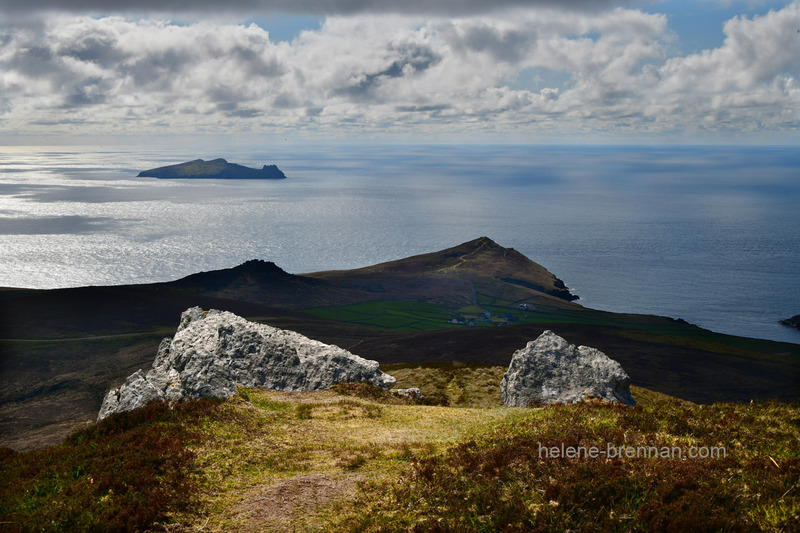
(551, 370)
(211, 353)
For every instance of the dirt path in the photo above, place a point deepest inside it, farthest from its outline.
(284, 461)
(277, 507)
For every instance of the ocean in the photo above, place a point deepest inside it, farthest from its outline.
(708, 234)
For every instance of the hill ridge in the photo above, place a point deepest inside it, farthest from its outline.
(487, 266)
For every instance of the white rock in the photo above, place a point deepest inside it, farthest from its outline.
(412, 392)
(213, 353)
(551, 370)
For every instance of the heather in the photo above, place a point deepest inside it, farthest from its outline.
(358, 459)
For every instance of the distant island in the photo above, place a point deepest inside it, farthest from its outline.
(215, 169)
(793, 322)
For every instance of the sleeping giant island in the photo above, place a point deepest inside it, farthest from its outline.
(215, 169)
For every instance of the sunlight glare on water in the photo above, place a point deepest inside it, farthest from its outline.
(706, 234)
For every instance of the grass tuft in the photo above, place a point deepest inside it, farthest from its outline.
(303, 411)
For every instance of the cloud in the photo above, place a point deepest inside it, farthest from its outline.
(755, 52)
(750, 81)
(397, 73)
(330, 7)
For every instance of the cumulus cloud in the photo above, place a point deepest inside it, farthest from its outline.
(751, 81)
(755, 51)
(398, 73)
(329, 7)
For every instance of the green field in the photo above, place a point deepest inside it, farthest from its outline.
(390, 314)
(408, 316)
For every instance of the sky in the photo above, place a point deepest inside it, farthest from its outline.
(670, 71)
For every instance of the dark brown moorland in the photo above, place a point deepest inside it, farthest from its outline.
(478, 302)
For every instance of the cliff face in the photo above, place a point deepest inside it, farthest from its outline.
(215, 169)
(213, 353)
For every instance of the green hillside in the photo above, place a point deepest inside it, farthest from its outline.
(357, 459)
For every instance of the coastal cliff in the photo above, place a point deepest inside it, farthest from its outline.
(793, 322)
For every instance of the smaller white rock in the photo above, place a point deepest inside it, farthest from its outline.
(551, 370)
(412, 392)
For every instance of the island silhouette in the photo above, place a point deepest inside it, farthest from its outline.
(214, 169)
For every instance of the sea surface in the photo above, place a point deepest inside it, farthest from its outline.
(707, 234)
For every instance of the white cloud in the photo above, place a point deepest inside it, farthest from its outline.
(755, 52)
(750, 81)
(394, 73)
(329, 7)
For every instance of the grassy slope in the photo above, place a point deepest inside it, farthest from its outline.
(323, 461)
(500, 482)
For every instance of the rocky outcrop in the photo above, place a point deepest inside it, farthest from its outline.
(211, 353)
(551, 370)
(793, 322)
